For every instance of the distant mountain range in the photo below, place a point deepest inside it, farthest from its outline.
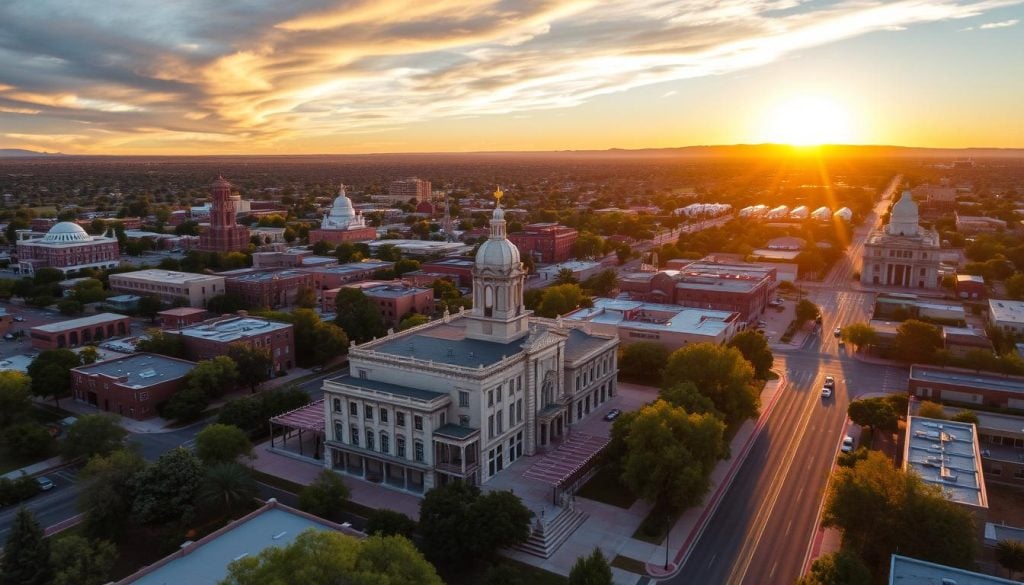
(13, 152)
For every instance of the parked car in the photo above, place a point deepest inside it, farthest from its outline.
(10, 336)
(762, 324)
(612, 414)
(45, 483)
(826, 392)
(847, 444)
(19, 318)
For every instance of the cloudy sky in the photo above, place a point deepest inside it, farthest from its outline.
(328, 76)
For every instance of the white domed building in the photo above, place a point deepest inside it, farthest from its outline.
(465, 396)
(902, 254)
(66, 247)
(342, 223)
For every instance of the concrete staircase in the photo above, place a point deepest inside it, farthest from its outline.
(550, 535)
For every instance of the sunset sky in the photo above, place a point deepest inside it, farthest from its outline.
(318, 76)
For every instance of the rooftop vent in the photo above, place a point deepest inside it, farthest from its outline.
(279, 535)
(150, 373)
(241, 556)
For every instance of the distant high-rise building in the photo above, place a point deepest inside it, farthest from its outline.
(405, 189)
(224, 234)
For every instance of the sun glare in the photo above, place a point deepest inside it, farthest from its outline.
(808, 121)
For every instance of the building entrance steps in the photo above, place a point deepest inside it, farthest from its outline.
(549, 533)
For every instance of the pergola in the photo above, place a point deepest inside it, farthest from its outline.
(309, 418)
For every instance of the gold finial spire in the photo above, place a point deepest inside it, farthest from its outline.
(498, 194)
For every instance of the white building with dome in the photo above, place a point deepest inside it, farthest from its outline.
(464, 396)
(66, 247)
(902, 254)
(342, 223)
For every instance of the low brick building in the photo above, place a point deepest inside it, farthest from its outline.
(395, 299)
(75, 332)
(966, 387)
(273, 289)
(130, 386)
(971, 286)
(180, 317)
(328, 277)
(548, 243)
(459, 269)
(214, 337)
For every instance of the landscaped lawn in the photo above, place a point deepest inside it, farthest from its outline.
(606, 488)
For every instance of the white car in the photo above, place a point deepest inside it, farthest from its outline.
(847, 444)
(837, 332)
(830, 382)
(826, 392)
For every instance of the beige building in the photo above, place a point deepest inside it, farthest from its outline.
(403, 190)
(903, 254)
(168, 285)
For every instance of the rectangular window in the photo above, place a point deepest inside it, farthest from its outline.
(463, 399)
(337, 405)
(400, 419)
(354, 432)
(369, 439)
(339, 432)
(490, 426)
(511, 417)
(501, 422)
(353, 409)
(490, 398)
(418, 451)
(519, 410)
(417, 422)
(498, 391)
(383, 415)
(385, 443)
(400, 446)
(368, 412)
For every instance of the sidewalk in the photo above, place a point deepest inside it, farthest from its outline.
(35, 468)
(692, 523)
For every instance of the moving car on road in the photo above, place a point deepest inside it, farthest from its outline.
(826, 392)
(837, 332)
(612, 414)
(830, 382)
(45, 483)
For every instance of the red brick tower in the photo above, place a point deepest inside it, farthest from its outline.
(223, 235)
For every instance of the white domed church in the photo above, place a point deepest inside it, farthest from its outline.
(66, 247)
(902, 254)
(342, 223)
(464, 396)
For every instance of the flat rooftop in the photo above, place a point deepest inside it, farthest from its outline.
(350, 267)
(206, 562)
(99, 319)
(182, 311)
(1006, 310)
(446, 343)
(168, 276)
(655, 317)
(456, 262)
(233, 328)
(969, 378)
(946, 454)
(388, 388)
(908, 571)
(140, 370)
(387, 289)
(266, 275)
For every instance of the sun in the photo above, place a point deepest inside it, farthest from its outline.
(808, 120)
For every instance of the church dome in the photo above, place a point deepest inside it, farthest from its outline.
(501, 255)
(342, 215)
(903, 221)
(66, 232)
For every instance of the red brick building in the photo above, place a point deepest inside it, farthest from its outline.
(66, 247)
(736, 287)
(971, 286)
(395, 299)
(224, 234)
(966, 387)
(458, 269)
(328, 277)
(211, 338)
(130, 386)
(273, 289)
(75, 332)
(180, 317)
(548, 243)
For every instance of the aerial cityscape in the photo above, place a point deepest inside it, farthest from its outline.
(512, 293)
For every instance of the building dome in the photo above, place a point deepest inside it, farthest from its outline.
(501, 255)
(342, 215)
(66, 232)
(904, 218)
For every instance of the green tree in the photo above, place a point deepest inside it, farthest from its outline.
(412, 320)
(881, 509)
(566, 276)
(322, 248)
(560, 299)
(89, 355)
(917, 341)
(91, 435)
(226, 487)
(70, 307)
(51, 373)
(255, 365)
(587, 246)
(15, 400)
(603, 283)
(877, 413)
(157, 341)
(358, 316)
(1010, 554)
(28, 440)
(504, 574)
(219, 443)
(591, 570)
(319, 557)
(929, 409)
(406, 265)
(213, 376)
(1015, 286)
(754, 348)
(839, 568)
(386, 522)
(90, 291)
(225, 304)
(166, 490)
(720, 373)
(859, 335)
(186, 404)
(316, 341)
(325, 496)
(806, 311)
(305, 298)
(643, 361)
(26, 558)
(149, 306)
(244, 413)
(670, 455)
(499, 520)
(80, 561)
(966, 416)
(106, 493)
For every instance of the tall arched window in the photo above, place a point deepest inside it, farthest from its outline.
(385, 442)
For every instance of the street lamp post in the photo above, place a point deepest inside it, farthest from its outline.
(668, 532)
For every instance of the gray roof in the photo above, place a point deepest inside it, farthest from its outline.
(455, 431)
(908, 571)
(466, 353)
(232, 328)
(140, 370)
(946, 454)
(968, 378)
(580, 343)
(100, 319)
(206, 563)
(388, 388)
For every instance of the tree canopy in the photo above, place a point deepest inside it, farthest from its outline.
(358, 316)
(859, 335)
(877, 413)
(457, 523)
(917, 341)
(51, 373)
(166, 490)
(326, 496)
(720, 373)
(80, 561)
(93, 434)
(26, 559)
(15, 398)
(220, 443)
(754, 348)
(591, 570)
(560, 299)
(254, 364)
(839, 568)
(643, 361)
